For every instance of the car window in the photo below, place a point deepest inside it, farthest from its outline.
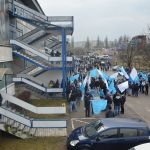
(127, 132)
(111, 133)
(141, 132)
(93, 128)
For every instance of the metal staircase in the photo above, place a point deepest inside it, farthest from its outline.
(47, 23)
(17, 123)
(36, 83)
(47, 28)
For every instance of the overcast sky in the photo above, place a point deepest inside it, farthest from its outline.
(111, 18)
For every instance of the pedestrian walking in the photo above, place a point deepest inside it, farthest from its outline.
(87, 103)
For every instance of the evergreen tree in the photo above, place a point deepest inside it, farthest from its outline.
(106, 43)
(88, 44)
(98, 43)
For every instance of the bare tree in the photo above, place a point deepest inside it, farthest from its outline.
(127, 55)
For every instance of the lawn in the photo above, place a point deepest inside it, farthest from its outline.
(46, 103)
(8, 142)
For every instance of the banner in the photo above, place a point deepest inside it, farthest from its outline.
(98, 106)
(123, 86)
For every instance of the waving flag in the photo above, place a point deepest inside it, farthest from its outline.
(82, 87)
(112, 88)
(104, 76)
(93, 73)
(124, 72)
(133, 74)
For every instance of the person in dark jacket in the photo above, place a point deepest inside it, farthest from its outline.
(117, 103)
(146, 88)
(109, 100)
(72, 100)
(122, 102)
(87, 103)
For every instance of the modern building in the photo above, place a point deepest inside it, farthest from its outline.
(28, 37)
(33, 47)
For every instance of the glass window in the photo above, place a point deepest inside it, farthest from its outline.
(93, 128)
(112, 133)
(2, 84)
(127, 132)
(141, 132)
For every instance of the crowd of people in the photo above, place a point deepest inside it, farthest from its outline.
(115, 101)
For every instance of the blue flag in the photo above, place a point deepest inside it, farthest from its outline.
(75, 77)
(98, 106)
(93, 73)
(112, 88)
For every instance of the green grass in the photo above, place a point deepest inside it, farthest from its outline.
(50, 143)
(47, 103)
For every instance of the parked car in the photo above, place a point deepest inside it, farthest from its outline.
(145, 146)
(109, 134)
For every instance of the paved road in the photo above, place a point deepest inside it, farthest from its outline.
(141, 106)
(135, 107)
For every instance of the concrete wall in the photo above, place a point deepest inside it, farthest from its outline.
(5, 54)
(10, 89)
(4, 23)
(46, 132)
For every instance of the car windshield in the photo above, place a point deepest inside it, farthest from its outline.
(93, 128)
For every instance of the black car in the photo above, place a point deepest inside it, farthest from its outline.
(109, 134)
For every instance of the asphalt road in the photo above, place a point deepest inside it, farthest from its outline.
(135, 107)
(141, 106)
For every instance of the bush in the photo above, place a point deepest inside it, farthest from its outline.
(25, 95)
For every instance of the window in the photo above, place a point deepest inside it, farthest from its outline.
(140, 132)
(111, 133)
(126, 132)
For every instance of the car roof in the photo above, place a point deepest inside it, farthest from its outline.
(123, 122)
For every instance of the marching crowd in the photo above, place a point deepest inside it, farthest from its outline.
(115, 100)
